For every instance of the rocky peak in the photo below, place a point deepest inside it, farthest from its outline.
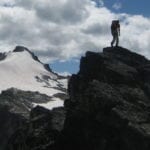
(109, 102)
(126, 56)
(114, 65)
(22, 48)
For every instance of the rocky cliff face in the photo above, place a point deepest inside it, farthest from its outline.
(9, 123)
(109, 105)
(41, 132)
(15, 107)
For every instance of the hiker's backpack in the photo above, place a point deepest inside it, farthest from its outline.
(115, 25)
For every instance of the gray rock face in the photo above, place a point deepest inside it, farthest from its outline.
(41, 132)
(2, 56)
(15, 107)
(20, 102)
(9, 123)
(109, 105)
(22, 48)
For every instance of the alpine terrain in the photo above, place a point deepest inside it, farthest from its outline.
(108, 108)
(25, 82)
(21, 69)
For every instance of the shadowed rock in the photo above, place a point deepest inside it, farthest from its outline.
(109, 105)
(41, 132)
(15, 106)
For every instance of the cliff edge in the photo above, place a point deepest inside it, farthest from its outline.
(109, 105)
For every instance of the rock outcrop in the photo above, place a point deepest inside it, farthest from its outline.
(109, 105)
(15, 107)
(9, 123)
(41, 132)
(21, 102)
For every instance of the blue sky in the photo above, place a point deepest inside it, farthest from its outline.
(70, 66)
(60, 32)
(132, 7)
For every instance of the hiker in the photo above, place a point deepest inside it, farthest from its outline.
(115, 31)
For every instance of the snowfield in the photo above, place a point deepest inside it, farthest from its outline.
(21, 71)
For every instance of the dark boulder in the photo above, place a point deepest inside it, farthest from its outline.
(41, 132)
(15, 107)
(9, 123)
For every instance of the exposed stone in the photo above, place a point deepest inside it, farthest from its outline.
(109, 105)
(15, 107)
(42, 130)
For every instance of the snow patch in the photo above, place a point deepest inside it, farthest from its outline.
(56, 102)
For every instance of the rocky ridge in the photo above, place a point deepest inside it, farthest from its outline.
(109, 105)
(15, 109)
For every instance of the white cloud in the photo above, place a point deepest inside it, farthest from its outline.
(64, 74)
(7, 2)
(117, 6)
(63, 29)
(98, 3)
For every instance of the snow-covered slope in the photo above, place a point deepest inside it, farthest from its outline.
(19, 69)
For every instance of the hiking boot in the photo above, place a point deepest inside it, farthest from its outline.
(111, 44)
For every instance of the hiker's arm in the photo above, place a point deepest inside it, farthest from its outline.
(119, 29)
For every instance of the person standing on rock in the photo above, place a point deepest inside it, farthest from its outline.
(115, 31)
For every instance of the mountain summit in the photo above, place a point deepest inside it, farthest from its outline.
(109, 105)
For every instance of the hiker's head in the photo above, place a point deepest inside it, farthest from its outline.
(115, 21)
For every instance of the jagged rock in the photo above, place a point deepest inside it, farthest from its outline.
(15, 106)
(22, 48)
(61, 96)
(21, 102)
(42, 130)
(109, 105)
(47, 67)
(9, 123)
(2, 56)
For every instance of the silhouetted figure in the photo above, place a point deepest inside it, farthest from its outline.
(115, 31)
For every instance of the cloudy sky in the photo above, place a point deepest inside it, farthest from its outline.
(61, 31)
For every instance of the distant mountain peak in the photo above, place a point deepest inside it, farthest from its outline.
(22, 69)
(20, 49)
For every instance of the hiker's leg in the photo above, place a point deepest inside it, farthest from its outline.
(112, 43)
(117, 40)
